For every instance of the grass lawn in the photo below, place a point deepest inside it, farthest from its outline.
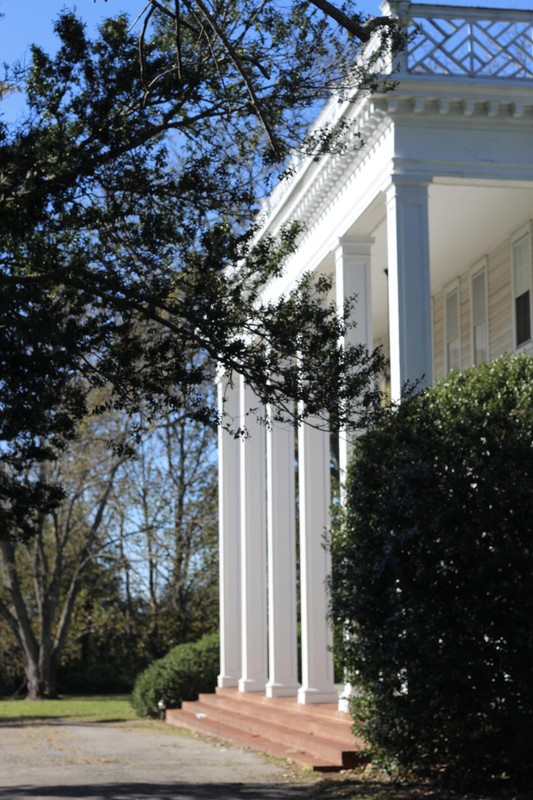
(96, 708)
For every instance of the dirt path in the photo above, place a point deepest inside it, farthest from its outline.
(103, 761)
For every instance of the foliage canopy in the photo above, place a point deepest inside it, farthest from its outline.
(128, 250)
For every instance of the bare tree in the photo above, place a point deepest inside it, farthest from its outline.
(41, 576)
(167, 504)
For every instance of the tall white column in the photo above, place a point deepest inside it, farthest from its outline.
(229, 537)
(253, 549)
(353, 277)
(314, 495)
(411, 349)
(281, 505)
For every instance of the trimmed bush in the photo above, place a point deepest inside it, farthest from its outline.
(182, 674)
(433, 577)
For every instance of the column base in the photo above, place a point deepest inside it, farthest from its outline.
(227, 681)
(344, 705)
(282, 689)
(309, 696)
(345, 698)
(250, 685)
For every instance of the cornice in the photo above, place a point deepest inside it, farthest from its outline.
(456, 99)
(416, 100)
(301, 195)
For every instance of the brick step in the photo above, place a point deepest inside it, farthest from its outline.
(329, 710)
(316, 736)
(329, 748)
(209, 727)
(290, 716)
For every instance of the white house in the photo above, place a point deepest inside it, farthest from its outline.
(431, 224)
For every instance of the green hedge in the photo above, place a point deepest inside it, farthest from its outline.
(182, 674)
(433, 577)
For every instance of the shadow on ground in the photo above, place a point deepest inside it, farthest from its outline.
(323, 790)
(25, 722)
(354, 789)
(155, 791)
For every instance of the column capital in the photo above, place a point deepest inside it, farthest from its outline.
(405, 182)
(354, 245)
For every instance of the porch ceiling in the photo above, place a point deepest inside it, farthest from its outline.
(465, 223)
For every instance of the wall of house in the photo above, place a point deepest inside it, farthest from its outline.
(500, 300)
(499, 283)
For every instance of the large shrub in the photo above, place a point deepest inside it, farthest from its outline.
(433, 576)
(182, 674)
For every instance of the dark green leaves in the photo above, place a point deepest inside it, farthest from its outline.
(433, 576)
(128, 251)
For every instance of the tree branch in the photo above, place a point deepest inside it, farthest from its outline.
(362, 31)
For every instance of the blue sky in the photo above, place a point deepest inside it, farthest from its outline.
(27, 21)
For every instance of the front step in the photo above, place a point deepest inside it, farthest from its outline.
(316, 736)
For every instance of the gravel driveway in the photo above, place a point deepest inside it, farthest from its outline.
(107, 761)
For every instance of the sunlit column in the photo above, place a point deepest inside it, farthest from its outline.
(353, 278)
(253, 548)
(314, 500)
(282, 631)
(409, 284)
(229, 536)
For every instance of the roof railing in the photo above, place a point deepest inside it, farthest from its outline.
(466, 42)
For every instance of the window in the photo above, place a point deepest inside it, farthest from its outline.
(522, 286)
(452, 328)
(479, 314)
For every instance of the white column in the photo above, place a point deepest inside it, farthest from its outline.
(253, 549)
(314, 495)
(229, 537)
(281, 505)
(411, 351)
(353, 277)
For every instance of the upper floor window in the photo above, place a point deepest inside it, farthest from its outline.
(479, 313)
(522, 286)
(452, 328)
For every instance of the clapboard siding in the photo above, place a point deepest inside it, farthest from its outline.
(499, 310)
(438, 335)
(466, 343)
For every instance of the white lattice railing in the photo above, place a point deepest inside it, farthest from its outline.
(471, 42)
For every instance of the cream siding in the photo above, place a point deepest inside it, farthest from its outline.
(500, 300)
(499, 310)
(438, 334)
(466, 339)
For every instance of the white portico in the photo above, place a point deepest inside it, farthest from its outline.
(430, 224)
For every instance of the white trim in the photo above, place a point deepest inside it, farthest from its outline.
(454, 286)
(477, 269)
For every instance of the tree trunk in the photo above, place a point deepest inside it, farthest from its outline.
(33, 684)
(40, 676)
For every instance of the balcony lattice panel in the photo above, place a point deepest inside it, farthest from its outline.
(494, 48)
